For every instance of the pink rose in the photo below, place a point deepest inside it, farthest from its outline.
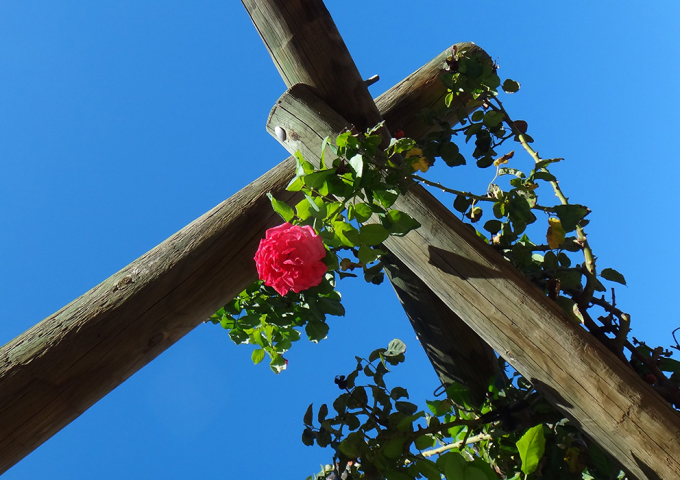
(290, 258)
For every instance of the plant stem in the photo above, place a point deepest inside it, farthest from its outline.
(481, 198)
(591, 270)
(475, 439)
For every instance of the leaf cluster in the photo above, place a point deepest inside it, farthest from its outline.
(261, 317)
(376, 433)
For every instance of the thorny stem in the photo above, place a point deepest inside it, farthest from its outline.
(476, 439)
(480, 198)
(445, 426)
(368, 413)
(591, 270)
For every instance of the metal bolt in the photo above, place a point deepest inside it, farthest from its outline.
(280, 133)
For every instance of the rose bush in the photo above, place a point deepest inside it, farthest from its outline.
(290, 258)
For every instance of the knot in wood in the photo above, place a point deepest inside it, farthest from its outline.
(122, 282)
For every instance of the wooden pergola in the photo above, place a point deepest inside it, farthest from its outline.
(463, 299)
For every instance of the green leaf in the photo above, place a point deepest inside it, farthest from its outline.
(462, 203)
(493, 118)
(547, 161)
(308, 437)
(304, 209)
(375, 354)
(356, 163)
(353, 446)
(547, 176)
(317, 179)
(323, 411)
(459, 394)
(249, 321)
(454, 465)
(669, 365)
(362, 212)
(400, 223)
(395, 475)
(295, 185)
(367, 254)
(406, 408)
(484, 467)
(348, 235)
(309, 415)
(428, 468)
(485, 161)
(601, 463)
(510, 171)
(424, 442)
(331, 306)
(325, 143)
(395, 447)
(316, 330)
(385, 197)
(493, 226)
(510, 86)
(531, 448)
(257, 355)
(398, 392)
(450, 154)
(373, 234)
(303, 166)
(314, 207)
(613, 276)
(341, 141)
(282, 208)
(569, 279)
(395, 347)
(473, 473)
(570, 215)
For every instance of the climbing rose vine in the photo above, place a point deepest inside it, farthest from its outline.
(488, 428)
(290, 258)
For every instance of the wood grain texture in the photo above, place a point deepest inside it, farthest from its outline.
(55, 371)
(454, 349)
(307, 49)
(602, 396)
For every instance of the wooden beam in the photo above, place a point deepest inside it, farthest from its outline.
(307, 48)
(602, 396)
(55, 371)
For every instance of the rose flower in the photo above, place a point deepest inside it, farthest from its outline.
(290, 258)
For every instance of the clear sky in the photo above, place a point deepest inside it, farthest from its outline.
(123, 121)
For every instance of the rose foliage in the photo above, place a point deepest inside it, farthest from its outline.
(337, 230)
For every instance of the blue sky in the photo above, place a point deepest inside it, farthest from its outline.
(121, 122)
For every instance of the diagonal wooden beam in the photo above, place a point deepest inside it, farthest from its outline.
(602, 396)
(56, 370)
(605, 398)
(307, 49)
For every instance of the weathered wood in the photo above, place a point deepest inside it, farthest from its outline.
(455, 350)
(602, 396)
(307, 48)
(55, 371)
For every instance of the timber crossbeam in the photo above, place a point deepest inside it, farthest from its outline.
(55, 371)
